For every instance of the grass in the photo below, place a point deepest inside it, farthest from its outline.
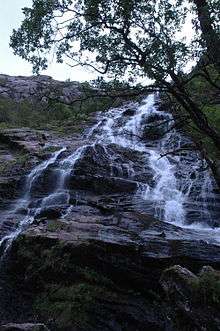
(55, 226)
(50, 116)
(20, 160)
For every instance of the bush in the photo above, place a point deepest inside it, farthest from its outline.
(207, 288)
(51, 115)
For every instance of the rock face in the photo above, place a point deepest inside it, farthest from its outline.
(92, 259)
(37, 88)
(25, 139)
(20, 149)
(110, 169)
(99, 269)
(23, 327)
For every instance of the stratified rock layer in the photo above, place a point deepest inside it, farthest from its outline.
(98, 270)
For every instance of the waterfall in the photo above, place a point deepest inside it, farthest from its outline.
(182, 189)
(24, 203)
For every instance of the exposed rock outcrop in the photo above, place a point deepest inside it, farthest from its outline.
(93, 259)
(38, 88)
(102, 269)
(23, 327)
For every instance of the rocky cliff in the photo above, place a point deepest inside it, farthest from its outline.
(91, 255)
(38, 88)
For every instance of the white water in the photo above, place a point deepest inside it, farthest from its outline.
(182, 193)
(24, 202)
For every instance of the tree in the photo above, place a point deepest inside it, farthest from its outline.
(130, 38)
(210, 37)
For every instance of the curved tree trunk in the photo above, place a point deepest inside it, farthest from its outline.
(209, 35)
(194, 111)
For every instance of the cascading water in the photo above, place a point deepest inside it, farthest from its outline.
(22, 207)
(181, 191)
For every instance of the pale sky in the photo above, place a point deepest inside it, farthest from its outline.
(10, 18)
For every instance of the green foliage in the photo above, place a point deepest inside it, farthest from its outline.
(207, 289)
(68, 306)
(126, 39)
(55, 115)
(64, 290)
(206, 96)
(129, 36)
(20, 159)
(55, 225)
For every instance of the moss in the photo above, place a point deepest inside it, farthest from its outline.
(7, 167)
(58, 260)
(206, 289)
(55, 225)
(69, 306)
(61, 288)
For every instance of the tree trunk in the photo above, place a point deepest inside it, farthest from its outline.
(209, 35)
(195, 113)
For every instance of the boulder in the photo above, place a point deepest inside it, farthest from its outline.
(192, 300)
(177, 281)
(129, 112)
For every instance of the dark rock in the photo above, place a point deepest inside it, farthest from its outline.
(109, 266)
(102, 184)
(49, 213)
(28, 140)
(192, 301)
(177, 281)
(45, 183)
(152, 132)
(23, 327)
(155, 126)
(129, 112)
(110, 161)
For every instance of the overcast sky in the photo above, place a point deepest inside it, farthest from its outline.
(10, 18)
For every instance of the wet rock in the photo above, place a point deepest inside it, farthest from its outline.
(50, 213)
(102, 184)
(23, 327)
(28, 140)
(45, 183)
(155, 126)
(129, 112)
(152, 132)
(111, 161)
